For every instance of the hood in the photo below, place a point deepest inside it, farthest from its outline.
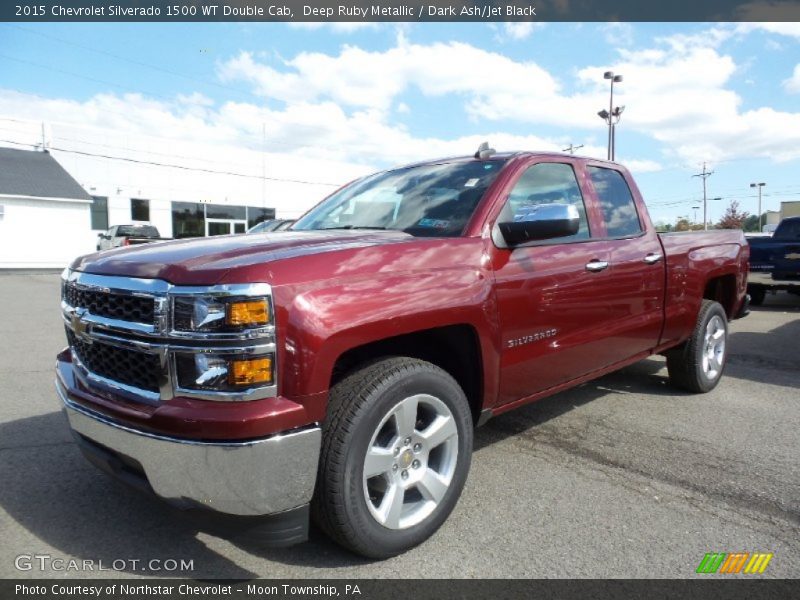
(206, 261)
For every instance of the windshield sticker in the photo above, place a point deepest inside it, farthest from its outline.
(472, 182)
(434, 223)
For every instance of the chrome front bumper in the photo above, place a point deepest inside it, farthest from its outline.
(254, 477)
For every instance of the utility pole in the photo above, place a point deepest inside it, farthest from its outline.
(572, 148)
(759, 186)
(705, 175)
(263, 165)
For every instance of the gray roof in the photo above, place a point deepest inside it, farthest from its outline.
(27, 173)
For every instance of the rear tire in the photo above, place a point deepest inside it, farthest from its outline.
(697, 364)
(396, 450)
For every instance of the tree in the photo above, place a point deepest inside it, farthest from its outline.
(683, 224)
(663, 226)
(733, 218)
(751, 222)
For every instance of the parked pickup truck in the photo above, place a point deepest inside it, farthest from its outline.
(775, 261)
(338, 369)
(127, 235)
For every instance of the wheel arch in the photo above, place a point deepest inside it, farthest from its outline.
(723, 289)
(453, 348)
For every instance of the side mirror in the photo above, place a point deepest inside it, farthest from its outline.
(541, 222)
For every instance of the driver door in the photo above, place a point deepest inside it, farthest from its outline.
(552, 295)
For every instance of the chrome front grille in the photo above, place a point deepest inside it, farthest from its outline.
(131, 367)
(124, 341)
(123, 307)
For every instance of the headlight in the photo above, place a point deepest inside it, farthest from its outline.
(210, 314)
(217, 372)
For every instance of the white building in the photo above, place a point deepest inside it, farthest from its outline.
(185, 189)
(44, 212)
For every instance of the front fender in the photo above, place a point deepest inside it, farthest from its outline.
(322, 323)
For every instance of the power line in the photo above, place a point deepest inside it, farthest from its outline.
(281, 144)
(174, 166)
(79, 76)
(135, 62)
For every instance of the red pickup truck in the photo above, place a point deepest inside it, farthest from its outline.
(337, 369)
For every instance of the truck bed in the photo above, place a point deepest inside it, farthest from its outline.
(692, 258)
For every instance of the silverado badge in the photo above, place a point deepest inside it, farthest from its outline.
(534, 337)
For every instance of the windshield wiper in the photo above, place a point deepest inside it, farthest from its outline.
(352, 227)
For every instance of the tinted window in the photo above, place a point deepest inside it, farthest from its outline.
(188, 220)
(259, 215)
(788, 230)
(99, 213)
(226, 211)
(616, 202)
(145, 231)
(547, 183)
(140, 209)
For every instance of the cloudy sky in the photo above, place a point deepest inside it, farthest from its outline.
(382, 94)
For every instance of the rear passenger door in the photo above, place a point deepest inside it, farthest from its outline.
(637, 270)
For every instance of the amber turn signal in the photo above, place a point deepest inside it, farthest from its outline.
(256, 371)
(249, 313)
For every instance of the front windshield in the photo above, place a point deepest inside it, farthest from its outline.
(429, 200)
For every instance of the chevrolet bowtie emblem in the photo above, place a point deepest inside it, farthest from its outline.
(80, 326)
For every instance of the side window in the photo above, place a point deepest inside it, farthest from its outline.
(547, 183)
(140, 209)
(616, 202)
(113, 231)
(99, 213)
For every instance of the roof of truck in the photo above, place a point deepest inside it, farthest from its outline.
(506, 156)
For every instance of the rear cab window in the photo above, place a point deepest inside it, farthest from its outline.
(617, 206)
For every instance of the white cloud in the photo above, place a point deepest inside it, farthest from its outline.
(364, 79)
(322, 130)
(343, 27)
(641, 166)
(788, 28)
(677, 91)
(792, 84)
(617, 33)
(519, 30)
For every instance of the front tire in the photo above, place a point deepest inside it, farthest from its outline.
(396, 450)
(697, 364)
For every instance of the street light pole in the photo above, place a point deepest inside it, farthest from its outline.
(609, 116)
(695, 209)
(759, 186)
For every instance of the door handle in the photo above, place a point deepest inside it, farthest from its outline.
(653, 258)
(596, 266)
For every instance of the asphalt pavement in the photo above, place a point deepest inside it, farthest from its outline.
(621, 477)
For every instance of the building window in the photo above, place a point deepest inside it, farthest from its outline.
(226, 211)
(140, 209)
(188, 220)
(99, 213)
(257, 215)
